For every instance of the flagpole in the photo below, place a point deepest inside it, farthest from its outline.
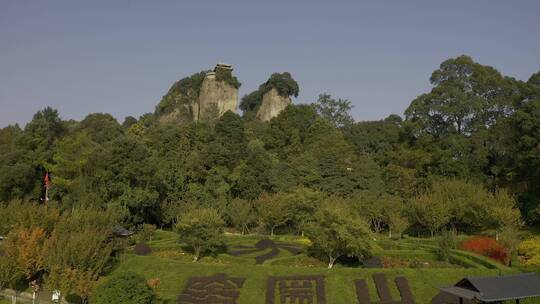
(47, 181)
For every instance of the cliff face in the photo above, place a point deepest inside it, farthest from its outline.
(202, 96)
(182, 114)
(216, 97)
(272, 104)
(176, 105)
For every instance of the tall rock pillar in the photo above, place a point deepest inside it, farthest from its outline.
(272, 104)
(216, 97)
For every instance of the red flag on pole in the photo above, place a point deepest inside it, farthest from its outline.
(47, 181)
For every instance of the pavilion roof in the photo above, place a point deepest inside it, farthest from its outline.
(497, 288)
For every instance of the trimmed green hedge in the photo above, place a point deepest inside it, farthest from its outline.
(481, 260)
(465, 262)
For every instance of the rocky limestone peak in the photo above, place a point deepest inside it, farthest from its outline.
(272, 104)
(217, 94)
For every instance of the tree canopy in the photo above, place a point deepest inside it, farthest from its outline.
(474, 132)
(124, 288)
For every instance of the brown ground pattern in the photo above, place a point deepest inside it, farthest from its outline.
(307, 289)
(383, 291)
(216, 289)
(263, 245)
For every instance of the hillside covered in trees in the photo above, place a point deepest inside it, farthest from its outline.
(468, 146)
(463, 160)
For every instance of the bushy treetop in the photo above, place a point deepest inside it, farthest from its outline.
(124, 288)
(226, 76)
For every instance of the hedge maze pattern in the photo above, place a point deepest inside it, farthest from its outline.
(216, 289)
(362, 292)
(308, 289)
(263, 245)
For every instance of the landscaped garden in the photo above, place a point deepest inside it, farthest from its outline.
(413, 258)
(185, 264)
(308, 206)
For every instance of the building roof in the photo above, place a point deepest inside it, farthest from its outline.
(121, 231)
(222, 65)
(497, 288)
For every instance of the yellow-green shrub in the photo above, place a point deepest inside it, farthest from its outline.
(530, 250)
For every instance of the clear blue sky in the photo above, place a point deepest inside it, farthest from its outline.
(120, 57)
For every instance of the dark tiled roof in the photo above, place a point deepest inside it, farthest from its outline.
(448, 298)
(462, 292)
(121, 231)
(497, 288)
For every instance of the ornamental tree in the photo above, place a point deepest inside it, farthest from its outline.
(430, 213)
(25, 246)
(201, 229)
(273, 211)
(503, 213)
(336, 232)
(240, 214)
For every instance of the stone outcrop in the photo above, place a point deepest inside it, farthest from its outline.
(182, 114)
(215, 98)
(207, 95)
(272, 104)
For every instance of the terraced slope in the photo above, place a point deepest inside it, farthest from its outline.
(173, 266)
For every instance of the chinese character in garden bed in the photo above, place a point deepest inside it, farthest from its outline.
(263, 245)
(216, 289)
(383, 291)
(307, 289)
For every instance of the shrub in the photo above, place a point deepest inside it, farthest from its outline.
(124, 288)
(530, 251)
(226, 76)
(145, 233)
(488, 247)
(447, 241)
(142, 249)
(251, 101)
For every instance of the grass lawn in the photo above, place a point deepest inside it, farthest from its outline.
(173, 267)
(339, 282)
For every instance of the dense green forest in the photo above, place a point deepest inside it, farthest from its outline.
(464, 157)
(471, 141)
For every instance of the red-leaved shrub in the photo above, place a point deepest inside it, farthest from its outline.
(488, 247)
